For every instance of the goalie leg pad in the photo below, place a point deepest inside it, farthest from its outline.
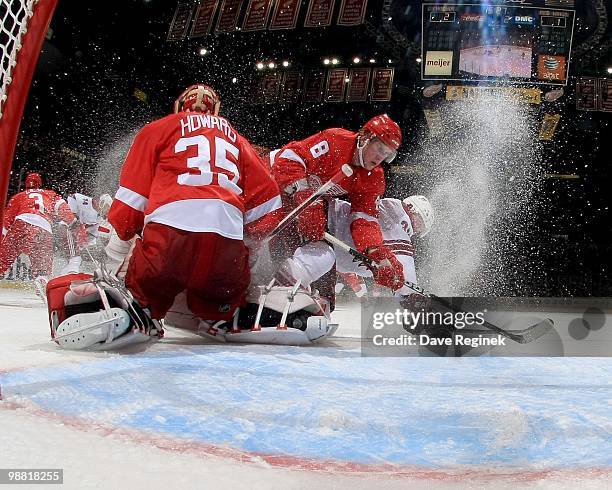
(83, 330)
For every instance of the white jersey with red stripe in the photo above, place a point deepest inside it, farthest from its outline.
(193, 172)
(82, 206)
(396, 230)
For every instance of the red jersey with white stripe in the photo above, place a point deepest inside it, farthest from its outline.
(316, 159)
(193, 172)
(38, 207)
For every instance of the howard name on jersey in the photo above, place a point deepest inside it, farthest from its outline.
(38, 207)
(193, 172)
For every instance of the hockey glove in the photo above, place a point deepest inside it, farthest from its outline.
(117, 252)
(311, 222)
(390, 272)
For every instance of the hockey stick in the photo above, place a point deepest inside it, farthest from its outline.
(524, 336)
(345, 171)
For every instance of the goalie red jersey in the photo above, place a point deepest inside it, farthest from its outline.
(193, 172)
(192, 186)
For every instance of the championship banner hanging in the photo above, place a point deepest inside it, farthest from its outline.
(291, 86)
(319, 13)
(459, 92)
(256, 16)
(352, 12)
(434, 121)
(604, 98)
(359, 79)
(202, 21)
(382, 84)
(336, 84)
(586, 94)
(549, 126)
(270, 85)
(180, 22)
(285, 14)
(228, 16)
(313, 86)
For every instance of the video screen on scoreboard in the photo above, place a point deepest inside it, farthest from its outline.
(484, 42)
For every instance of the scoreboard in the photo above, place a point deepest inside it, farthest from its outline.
(514, 42)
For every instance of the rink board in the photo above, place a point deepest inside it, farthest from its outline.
(330, 404)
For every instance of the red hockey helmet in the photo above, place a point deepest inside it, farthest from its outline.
(198, 98)
(33, 181)
(385, 129)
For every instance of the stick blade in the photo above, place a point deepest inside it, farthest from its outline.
(532, 333)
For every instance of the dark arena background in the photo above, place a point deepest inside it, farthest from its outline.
(520, 187)
(486, 365)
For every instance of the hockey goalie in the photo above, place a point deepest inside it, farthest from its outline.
(194, 202)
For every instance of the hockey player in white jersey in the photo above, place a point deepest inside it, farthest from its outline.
(400, 221)
(90, 212)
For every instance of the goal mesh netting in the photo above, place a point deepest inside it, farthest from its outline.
(22, 31)
(15, 16)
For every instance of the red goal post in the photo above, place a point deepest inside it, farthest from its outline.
(24, 24)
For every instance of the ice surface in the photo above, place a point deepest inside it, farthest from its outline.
(191, 412)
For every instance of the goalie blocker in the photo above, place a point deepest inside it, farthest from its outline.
(88, 313)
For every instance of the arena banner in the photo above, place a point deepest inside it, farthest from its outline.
(285, 14)
(180, 22)
(290, 90)
(359, 81)
(203, 18)
(434, 121)
(473, 326)
(313, 86)
(270, 85)
(336, 84)
(352, 12)
(459, 92)
(549, 126)
(586, 94)
(257, 14)
(382, 84)
(319, 13)
(604, 95)
(228, 15)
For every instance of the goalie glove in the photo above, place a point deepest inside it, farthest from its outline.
(389, 272)
(311, 222)
(117, 252)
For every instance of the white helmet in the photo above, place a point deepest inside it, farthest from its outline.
(105, 202)
(420, 206)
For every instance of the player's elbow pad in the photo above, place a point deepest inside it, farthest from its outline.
(259, 229)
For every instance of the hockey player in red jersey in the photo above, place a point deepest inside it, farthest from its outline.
(196, 190)
(302, 166)
(27, 227)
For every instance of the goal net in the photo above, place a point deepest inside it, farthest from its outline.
(23, 27)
